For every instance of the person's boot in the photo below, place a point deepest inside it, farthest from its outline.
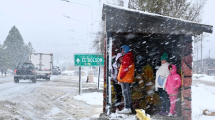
(159, 113)
(117, 110)
(165, 113)
(125, 111)
(170, 115)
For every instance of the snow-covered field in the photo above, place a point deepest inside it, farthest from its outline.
(203, 96)
(94, 98)
(204, 77)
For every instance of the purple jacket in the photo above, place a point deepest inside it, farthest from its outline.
(114, 71)
(173, 81)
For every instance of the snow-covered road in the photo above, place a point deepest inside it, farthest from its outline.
(46, 100)
(59, 99)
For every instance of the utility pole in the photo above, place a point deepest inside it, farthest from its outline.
(201, 53)
(197, 52)
(197, 62)
(209, 53)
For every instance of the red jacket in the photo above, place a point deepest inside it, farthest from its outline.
(126, 72)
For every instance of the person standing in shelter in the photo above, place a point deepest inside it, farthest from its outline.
(116, 85)
(160, 81)
(125, 77)
(172, 85)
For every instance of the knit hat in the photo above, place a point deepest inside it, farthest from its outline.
(164, 56)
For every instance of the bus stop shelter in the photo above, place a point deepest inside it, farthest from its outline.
(149, 36)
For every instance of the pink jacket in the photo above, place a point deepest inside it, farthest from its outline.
(173, 81)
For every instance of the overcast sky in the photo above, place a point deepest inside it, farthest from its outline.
(43, 23)
(209, 18)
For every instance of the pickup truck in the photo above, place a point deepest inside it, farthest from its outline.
(25, 71)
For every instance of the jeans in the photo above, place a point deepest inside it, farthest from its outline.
(118, 91)
(126, 92)
(165, 101)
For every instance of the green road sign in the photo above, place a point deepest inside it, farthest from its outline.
(89, 60)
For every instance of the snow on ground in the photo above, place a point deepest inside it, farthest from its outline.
(54, 77)
(203, 97)
(122, 116)
(94, 98)
(48, 100)
(5, 78)
(203, 77)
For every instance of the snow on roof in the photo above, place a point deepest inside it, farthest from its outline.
(151, 14)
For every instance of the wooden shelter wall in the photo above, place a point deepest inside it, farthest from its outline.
(150, 48)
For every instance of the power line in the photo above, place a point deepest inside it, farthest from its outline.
(61, 45)
(84, 5)
(57, 45)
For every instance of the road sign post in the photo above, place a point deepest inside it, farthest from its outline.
(98, 78)
(80, 81)
(88, 60)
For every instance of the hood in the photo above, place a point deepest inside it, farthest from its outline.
(174, 69)
(118, 56)
(125, 48)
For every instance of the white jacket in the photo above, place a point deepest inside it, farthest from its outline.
(163, 71)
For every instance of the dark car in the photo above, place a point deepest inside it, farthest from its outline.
(55, 71)
(25, 71)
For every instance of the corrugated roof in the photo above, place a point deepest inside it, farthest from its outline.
(117, 15)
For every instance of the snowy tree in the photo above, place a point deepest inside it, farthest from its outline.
(30, 47)
(118, 2)
(99, 39)
(15, 49)
(184, 9)
(1, 56)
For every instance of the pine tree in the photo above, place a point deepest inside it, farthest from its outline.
(30, 47)
(14, 48)
(1, 55)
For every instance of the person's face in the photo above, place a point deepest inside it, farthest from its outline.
(120, 59)
(123, 52)
(170, 69)
(163, 61)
